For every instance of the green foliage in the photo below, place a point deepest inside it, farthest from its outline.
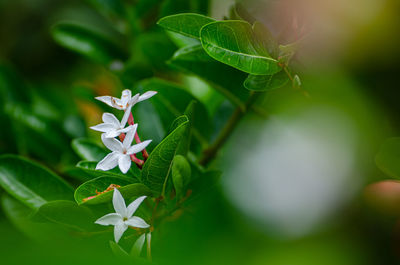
(91, 188)
(87, 42)
(89, 167)
(181, 173)
(232, 43)
(31, 183)
(157, 167)
(88, 149)
(266, 82)
(186, 24)
(67, 213)
(388, 157)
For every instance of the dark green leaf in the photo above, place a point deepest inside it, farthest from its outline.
(266, 82)
(89, 167)
(19, 215)
(181, 173)
(157, 167)
(31, 183)
(90, 188)
(88, 149)
(67, 213)
(119, 252)
(233, 43)
(187, 24)
(388, 157)
(87, 42)
(226, 80)
(171, 102)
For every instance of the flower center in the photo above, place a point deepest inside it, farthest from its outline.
(124, 151)
(125, 219)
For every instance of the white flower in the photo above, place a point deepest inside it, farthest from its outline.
(126, 99)
(123, 216)
(111, 126)
(121, 152)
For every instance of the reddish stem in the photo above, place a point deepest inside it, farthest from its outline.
(131, 121)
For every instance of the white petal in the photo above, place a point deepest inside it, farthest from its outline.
(110, 118)
(105, 99)
(119, 230)
(138, 147)
(126, 97)
(109, 219)
(127, 129)
(119, 203)
(103, 127)
(126, 116)
(135, 221)
(112, 133)
(129, 137)
(137, 247)
(134, 100)
(108, 162)
(124, 163)
(117, 103)
(147, 95)
(112, 144)
(134, 205)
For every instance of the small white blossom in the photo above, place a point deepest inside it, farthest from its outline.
(111, 127)
(121, 152)
(123, 216)
(126, 99)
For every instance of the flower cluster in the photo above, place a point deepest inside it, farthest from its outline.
(123, 153)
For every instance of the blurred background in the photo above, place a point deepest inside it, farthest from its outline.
(298, 187)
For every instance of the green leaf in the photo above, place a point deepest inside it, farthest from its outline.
(89, 167)
(171, 102)
(157, 167)
(265, 39)
(100, 184)
(239, 12)
(202, 183)
(87, 42)
(67, 213)
(31, 183)
(137, 247)
(187, 24)
(226, 80)
(233, 43)
(19, 215)
(388, 157)
(119, 252)
(181, 173)
(88, 149)
(266, 82)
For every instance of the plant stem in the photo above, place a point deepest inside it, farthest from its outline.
(210, 153)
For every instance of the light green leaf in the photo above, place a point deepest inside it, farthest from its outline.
(226, 80)
(31, 183)
(181, 173)
(187, 24)
(266, 82)
(88, 149)
(388, 157)
(137, 247)
(157, 167)
(90, 188)
(233, 43)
